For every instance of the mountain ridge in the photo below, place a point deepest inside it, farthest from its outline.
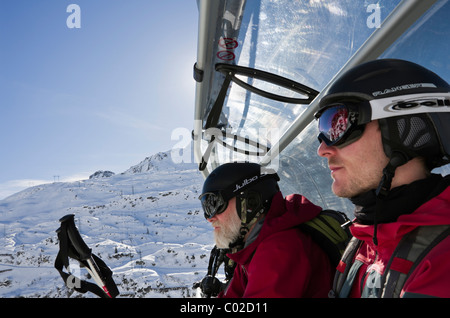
(145, 223)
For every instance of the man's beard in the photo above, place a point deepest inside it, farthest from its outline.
(229, 231)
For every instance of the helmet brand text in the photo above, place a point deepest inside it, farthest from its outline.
(402, 87)
(244, 183)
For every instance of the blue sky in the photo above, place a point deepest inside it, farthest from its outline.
(110, 93)
(100, 97)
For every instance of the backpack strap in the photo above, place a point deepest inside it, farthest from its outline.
(409, 253)
(406, 257)
(346, 271)
(327, 231)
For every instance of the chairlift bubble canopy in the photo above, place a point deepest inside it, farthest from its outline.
(262, 65)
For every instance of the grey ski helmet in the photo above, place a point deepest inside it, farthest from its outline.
(411, 103)
(252, 185)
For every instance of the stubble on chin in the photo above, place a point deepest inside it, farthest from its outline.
(346, 186)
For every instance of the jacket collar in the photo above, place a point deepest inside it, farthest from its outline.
(399, 201)
(432, 212)
(283, 214)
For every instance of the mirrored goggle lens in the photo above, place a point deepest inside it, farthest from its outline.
(212, 203)
(334, 122)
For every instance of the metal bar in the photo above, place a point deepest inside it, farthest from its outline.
(206, 10)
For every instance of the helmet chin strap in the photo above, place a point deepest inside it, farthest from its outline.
(241, 207)
(386, 180)
(397, 159)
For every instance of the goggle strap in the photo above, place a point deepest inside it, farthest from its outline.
(242, 212)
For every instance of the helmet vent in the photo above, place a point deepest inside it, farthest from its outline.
(413, 132)
(423, 140)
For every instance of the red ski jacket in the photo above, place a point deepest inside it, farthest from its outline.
(431, 277)
(282, 261)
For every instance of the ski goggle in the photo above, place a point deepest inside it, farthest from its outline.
(338, 124)
(213, 203)
(342, 123)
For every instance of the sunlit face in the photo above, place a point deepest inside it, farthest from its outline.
(226, 225)
(357, 167)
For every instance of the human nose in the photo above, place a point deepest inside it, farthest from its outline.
(324, 150)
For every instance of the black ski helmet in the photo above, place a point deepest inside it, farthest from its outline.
(250, 183)
(411, 103)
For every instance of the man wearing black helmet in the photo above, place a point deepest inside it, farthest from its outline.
(383, 126)
(251, 217)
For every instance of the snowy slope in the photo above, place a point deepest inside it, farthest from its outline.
(145, 223)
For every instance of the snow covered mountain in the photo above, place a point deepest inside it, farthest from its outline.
(144, 223)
